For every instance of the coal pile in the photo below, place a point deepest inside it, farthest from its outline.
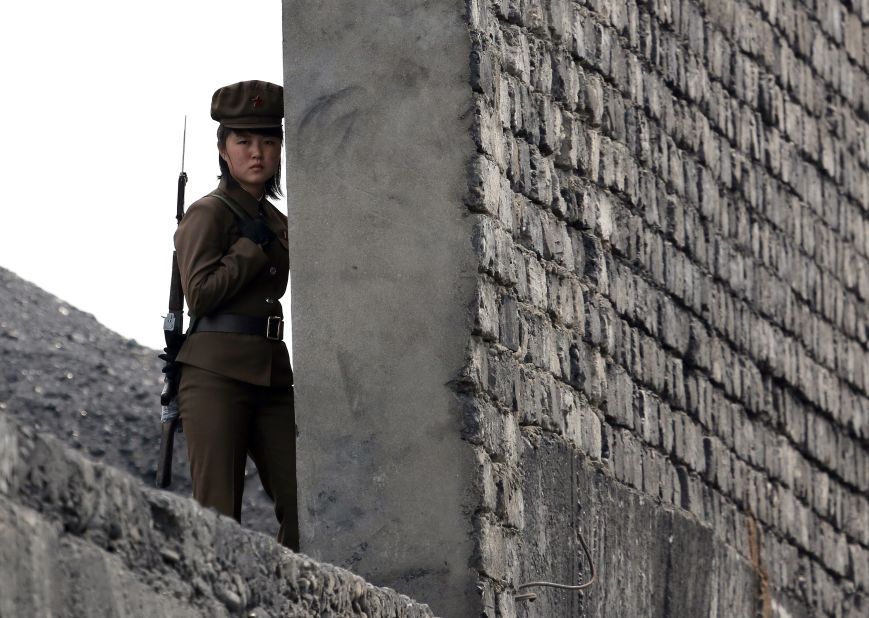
(65, 374)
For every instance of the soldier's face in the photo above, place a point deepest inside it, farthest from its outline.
(252, 159)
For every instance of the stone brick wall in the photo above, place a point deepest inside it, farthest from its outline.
(670, 326)
(78, 538)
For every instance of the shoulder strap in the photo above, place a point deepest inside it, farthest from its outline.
(237, 210)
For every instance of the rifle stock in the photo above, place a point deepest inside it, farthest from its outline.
(167, 444)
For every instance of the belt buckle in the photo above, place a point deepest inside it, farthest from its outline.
(278, 321)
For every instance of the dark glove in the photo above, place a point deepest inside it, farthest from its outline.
(172, 370)
(170, 367)
(258, 231)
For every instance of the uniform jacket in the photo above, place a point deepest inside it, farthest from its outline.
(223, 272)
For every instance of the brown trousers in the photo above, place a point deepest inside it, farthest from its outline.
(226, 420)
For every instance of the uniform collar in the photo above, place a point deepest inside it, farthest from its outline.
(241, 197)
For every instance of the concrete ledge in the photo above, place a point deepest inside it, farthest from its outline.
(79, 538)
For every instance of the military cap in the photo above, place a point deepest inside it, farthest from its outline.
(248, 105)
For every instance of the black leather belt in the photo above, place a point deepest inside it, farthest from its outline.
(271, 327)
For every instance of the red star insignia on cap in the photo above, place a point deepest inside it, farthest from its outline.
(257, 101)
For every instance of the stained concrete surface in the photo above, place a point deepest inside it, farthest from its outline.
(378, 112)
(649, 561)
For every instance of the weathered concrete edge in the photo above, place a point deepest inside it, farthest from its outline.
(207, 562)
(378, 115)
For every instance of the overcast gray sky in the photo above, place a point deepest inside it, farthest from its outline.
(93, 105)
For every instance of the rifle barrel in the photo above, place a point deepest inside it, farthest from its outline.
(182, 184)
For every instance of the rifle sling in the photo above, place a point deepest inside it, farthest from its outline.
(237, 210)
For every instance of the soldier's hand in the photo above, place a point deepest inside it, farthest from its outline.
(171, 368)
(172, 371)
(258, 231)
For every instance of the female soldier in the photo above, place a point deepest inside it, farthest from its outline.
(235, 395)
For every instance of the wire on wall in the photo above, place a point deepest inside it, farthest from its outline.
(530, 596)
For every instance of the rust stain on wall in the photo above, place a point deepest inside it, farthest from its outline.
(754, 548)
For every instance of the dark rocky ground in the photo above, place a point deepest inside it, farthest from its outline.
(64, 373)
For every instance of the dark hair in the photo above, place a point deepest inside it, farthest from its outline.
(273, 184)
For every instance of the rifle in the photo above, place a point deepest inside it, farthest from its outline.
(173, 331)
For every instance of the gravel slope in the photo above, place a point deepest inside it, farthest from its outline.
(64, 373)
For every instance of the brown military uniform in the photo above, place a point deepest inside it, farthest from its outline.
(236, 393)
(226, 273)
(235, 396)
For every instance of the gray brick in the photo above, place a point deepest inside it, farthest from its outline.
(646, 421)
(509, 503)
(588, 372)
(588, 153)
(653, 473)
(476, 370)
(486, 191)
(501, 371)
(631, 459)
(485, 312)
(674, 383)
(519, 165)
(594, 261)
(859, 565)
(541, 178)
(832, 546)
(666, 428)
(496, 432)
(482, 76)
(509, 323)
(532, 397)
(541, 67)
(486, 475)
(559, 15)
(515, 53)
(557, 245)
(536, 278)
(528, 218)
(560, 301)
(491, 136)
(620, 398)
(592, 436)
(591, 98)
(537, 341)
(568, 151)
(496, 557)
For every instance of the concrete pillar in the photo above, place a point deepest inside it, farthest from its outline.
(378, 116)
